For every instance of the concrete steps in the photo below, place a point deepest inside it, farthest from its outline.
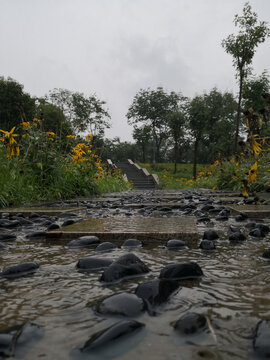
(136, 175)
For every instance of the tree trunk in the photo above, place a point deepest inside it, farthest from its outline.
(238, 112)
(195, 159)
(175, 156)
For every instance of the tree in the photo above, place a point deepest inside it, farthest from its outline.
(83, 113)
(151, 108)
(53, 119)
(89, 114)
(242, 48)
(253, 89)
(176, 121)
(15, 105)
(142, 136)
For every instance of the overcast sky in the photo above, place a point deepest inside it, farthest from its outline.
(116, 47)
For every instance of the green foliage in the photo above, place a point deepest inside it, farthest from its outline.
(253, 89)
(15, 104)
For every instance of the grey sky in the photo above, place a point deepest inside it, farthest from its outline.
(115, 47)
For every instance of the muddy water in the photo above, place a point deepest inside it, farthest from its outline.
(234, 294)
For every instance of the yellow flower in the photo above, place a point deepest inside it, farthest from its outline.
(24, 136)
(12, 147)
(70, 136)
(50, 133)
(37, 120)
(26, 124)
(89, 137)
(244, 192)
(214, 164)
(255, 146)
(252, 174)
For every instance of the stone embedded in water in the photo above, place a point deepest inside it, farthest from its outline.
(36, 234)
(233, 229)
(210, 234)
(5, 223)
(126, 266)
(263, 228)
(131, 243)
(241, 217)
(174, 244)
(203, 219)
(261, 344)
(207, 245)
(237, 236)
(83, 241)
(222, 218)
(123, 304)
(7, 237)
(19, 270)
(156, 292)
(89, 264)
(16, 340)
(22, 220)
(53, 226)
(191, 324)
(207, 207)
(105, 246)
(117, 331)
(67, 215)
(72, 221)
(33, 215)
(257, 233)
(250, 225)
(181, 271)
(266, 254)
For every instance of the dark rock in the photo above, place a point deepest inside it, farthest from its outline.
(126, 266)
(89, 264)
(207, 207)
(263, 228)
(266, 254)
(181, 271)
(84, 241)
(241, 217)
(176, 244)
(131, 243)
(17, 340)
(198, 213)
(22, 220)
(5, 223)
(72, 221)
(191, 324)
(19, 270)
(261, 344)
(233, 229)
(207, 245)
(257, 233)
(203, 219)
(250, 225)
(156, 292)
(105, 246)
(36, 234)
(33, 215)
(104, 337)
(53, 227)
(7, 237)
(222, 218)
(123, 304)
(237, 236)
(214, 210)
(165, 209)
(210, 234)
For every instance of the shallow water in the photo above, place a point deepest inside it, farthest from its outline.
(234, 294)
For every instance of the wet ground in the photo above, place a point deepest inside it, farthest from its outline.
(233, 294)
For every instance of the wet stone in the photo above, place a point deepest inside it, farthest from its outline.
(128, 265)
(53, 227)
(105, 337)
(7, 237)
(20, 270)
(203, 219)
(156, 292)
(72, 221)
(210, 234)
(207, 245)
(263, 228)
(3, 247)
(131, 243)
(123, 304)
(83, 241)
(241, 217)
(181, 271)
(175, 244)
(5, 223)
(17, 340)
(90, 264)
(36, 234)
(192, 327)
(261, 344)
(33, 215)
(237, 236)
(257, 233)
(105, 247)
